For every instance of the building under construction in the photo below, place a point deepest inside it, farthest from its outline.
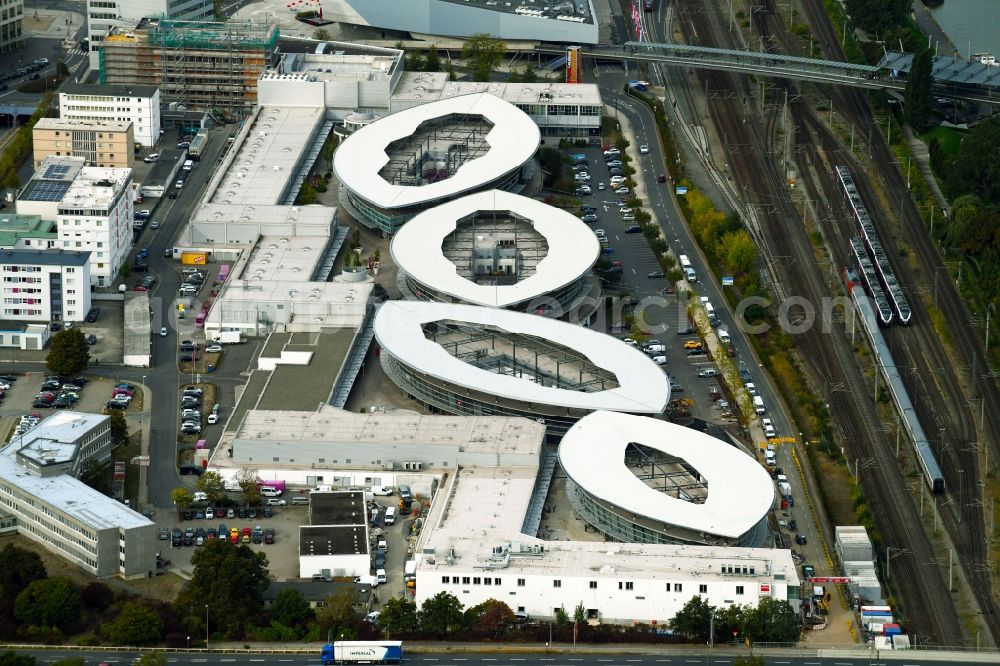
(198, 65)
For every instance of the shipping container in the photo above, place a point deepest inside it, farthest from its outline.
(194, 258)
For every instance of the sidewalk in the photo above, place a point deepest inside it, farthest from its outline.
(923, 157)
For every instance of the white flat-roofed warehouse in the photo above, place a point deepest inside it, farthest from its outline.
(331, 439)
(472, 360)
(335, 542)
(228, 224)
(50, 506)
(497, 249)
(410, 161)
(568, 23)
(477, 555)
(644, 480)
(559, 109)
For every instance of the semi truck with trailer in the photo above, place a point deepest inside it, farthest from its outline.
(228, 338)
(362, 652)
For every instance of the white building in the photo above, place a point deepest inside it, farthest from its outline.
(138, 104)
(45, 285)
(41, 499)
(92, 207)
(103, 14)
(335, 542)
(477, 555)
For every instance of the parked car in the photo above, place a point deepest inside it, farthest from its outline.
(93, 314)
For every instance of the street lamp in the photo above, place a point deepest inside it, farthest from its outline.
(206, 626)
(189, 642)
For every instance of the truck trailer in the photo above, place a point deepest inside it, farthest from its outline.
(362, 652)
(228, 338)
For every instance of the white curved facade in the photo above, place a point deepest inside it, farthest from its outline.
(462, 19)
(609, 495)
(509, 135)
(560, 277)
(518, 372)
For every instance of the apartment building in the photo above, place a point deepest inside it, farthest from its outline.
(106, 143)
(134, 103)
(92, 207)
(41, 499)
(45, 285)
(198, 65)
(102, 15)
(11, 24)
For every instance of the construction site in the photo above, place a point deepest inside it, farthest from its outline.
(197, 65)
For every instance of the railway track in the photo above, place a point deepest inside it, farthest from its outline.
(928, 605)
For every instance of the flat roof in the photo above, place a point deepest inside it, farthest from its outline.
(54, 439)
(572, 249)
(96, 187)
(282, 259)
(267, 159)
(108, 89)
(506, 491)
(339, 64)
(340, 507)
(421, 87)
(313, 382)
(740, 491)
(513, 139)
(45, 257)
(62, 491)
(316, 216)
(52, 179)
(333, 540)
(138, 326)
(75, 124)
(475, 434)
(642, 385)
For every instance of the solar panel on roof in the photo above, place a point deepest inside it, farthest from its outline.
(55, 171)
(47, 190)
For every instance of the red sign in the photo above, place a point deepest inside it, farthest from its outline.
(840, 580)
(765, 588)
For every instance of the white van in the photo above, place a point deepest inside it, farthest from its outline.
(380, 576)
(300, 499)
(390, 515)
(268, 491)
(188, 165)
(758, 404)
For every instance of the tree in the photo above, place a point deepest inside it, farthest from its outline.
(51, 602)
(415, 62)
(772, 621)
(693, 620)
(878, 16)
(398, 617)
(19, 568)
(307, 195)
(917, 98)
(441, 614)
(338, 609)
(976, 167)
(433, 62)
(484, 54)
(119, 428)
(739, 250)
(135, 624)
(561, 616)
(450, 68)
(211, 484)
(96, 475)
(246, 479)
(291, 609)
(322, 34)
(530, 74)
(68, 353)
(97, 595)
(579, 614)
(11, 658)
(231, 581)
(492, 617)
(181, 497)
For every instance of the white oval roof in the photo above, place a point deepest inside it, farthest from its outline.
(513, 140)
(740, 492)
(643, 387)
(573, 249)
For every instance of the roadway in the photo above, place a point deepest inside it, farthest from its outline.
(438, 655)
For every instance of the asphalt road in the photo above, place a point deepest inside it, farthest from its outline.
(430, 655)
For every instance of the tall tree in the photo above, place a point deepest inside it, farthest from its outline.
(211, 484)
(441, 614)
(338, 610)
(484, 53)
(52, 602)
(246, 479)
(291, 609)
(11, 658)
(398, 617)
(182, 498)
(19, 568)
(68, 352)
(433, 62)
(491, 617)
(772, 621)
(976, 167)
(694, 620)
(135, 624)
(878, 16)
(917, 98)
(230, 581)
